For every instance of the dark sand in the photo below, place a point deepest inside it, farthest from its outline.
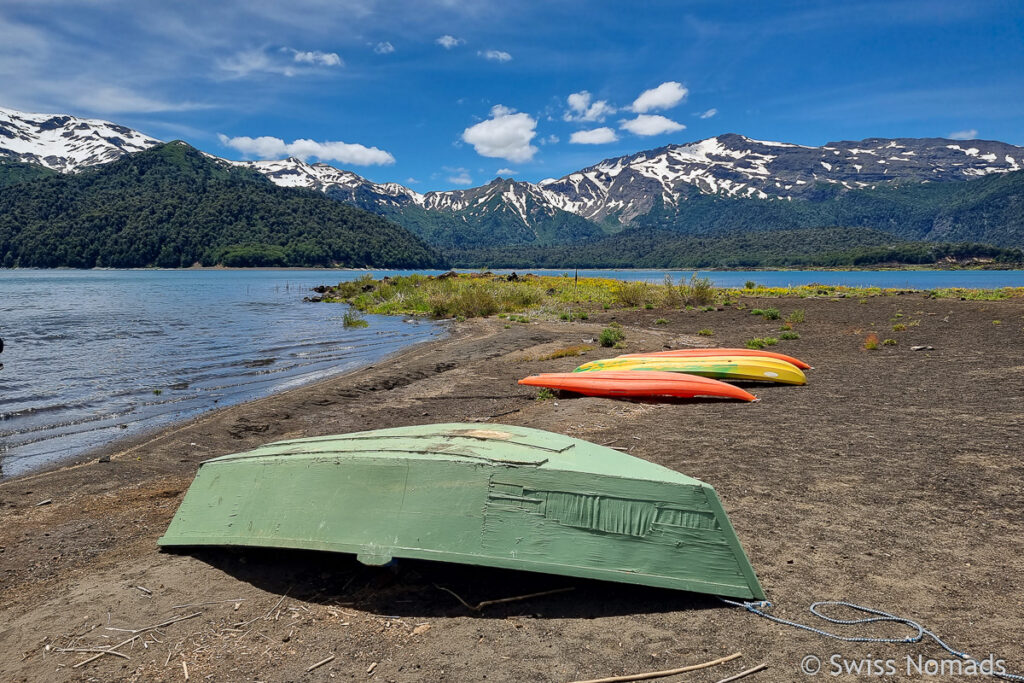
(893, 479)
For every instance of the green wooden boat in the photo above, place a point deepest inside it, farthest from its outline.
(491, 495)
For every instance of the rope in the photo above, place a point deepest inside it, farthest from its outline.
(757, 607)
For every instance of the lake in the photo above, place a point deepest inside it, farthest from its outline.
(92, 356)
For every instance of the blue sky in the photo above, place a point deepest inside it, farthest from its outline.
(440, 95)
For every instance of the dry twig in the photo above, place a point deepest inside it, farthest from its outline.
(661, 674)
(486, 603)
(320, 663)
(742, 674)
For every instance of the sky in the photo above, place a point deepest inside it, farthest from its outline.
(451, 93)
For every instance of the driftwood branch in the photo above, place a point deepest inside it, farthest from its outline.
(743, 674)
(661, 674)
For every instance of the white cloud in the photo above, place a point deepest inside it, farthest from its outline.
(506, 171)
(549, 140)
(581, 108)
(597, 136)
(461, 179)
(384, 48)
(113, 99)
(319, 58)
(266, 147)
(246, 62)
(448, 42)
(496, 55)
(506, 135)
(969, 134)
(665, 96)
(412, 181)
(709, 113)
(650, 124)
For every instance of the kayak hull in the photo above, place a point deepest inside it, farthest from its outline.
(699, 353)
(490, 495)
(638, 384)
(716, 367)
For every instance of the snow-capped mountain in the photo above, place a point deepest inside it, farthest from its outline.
(737, 166)
(66, 143)
(614, 191)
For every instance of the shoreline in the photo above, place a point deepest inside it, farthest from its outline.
(888, 480)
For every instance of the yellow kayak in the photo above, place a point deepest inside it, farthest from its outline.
(719, 367)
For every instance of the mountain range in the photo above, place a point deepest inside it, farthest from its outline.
(929, 189)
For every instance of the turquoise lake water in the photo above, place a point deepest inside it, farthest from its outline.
(92, 356)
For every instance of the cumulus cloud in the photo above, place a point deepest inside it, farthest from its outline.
(496, 55)
(650, 124)
(709, 113)
(317, 57)
(506, 135)
(665, 96)
(581, 108)
(384, 48)
(969, 134)
(596, 136)
(506, 171)
(266, 147)
(448, 42)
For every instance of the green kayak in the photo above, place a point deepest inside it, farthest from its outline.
(491, 495)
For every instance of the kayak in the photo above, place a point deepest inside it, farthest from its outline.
(699, 353)
(638, 384)
(489, 495)
(719, 367)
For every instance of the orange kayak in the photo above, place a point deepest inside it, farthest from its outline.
(637, 384)
(698, 353)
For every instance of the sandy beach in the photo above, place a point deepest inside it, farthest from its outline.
(893, 479)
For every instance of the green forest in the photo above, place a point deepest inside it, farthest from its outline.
(171, 206)
(800, 248)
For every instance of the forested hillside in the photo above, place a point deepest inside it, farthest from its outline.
(807, 247)
(171, 206)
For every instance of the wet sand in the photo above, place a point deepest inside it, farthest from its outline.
(893, 479)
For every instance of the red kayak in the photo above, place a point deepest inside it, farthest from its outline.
(699, 353)
(638, 384)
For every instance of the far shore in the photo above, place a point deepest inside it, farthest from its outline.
(892, 479)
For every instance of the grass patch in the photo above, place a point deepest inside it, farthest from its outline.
(871, 342)
(899, 327)
(889, 342)
(661, 321)
(611, 335)
(796, 316)
(545, 394)
(706, 332)
(474, 295)
(761, 342)
(766, 313)
(567, 352)
(789, 336)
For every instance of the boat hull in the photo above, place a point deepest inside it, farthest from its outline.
(502, 496)
(637, 384)
(717, 367)
(704, 353)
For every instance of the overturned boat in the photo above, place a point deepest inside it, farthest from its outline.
(491, 495)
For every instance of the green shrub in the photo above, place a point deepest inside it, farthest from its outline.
(610, 336)
(353, 319)
(545, 394)
(698, 291)
(755, 343)
(706, 332)
(871, 342)
(661, 321)
(797, 316)
(899, 327)
(749, 284)
(633, 294)
(789, 336)
(770, 341)
(889, 342)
